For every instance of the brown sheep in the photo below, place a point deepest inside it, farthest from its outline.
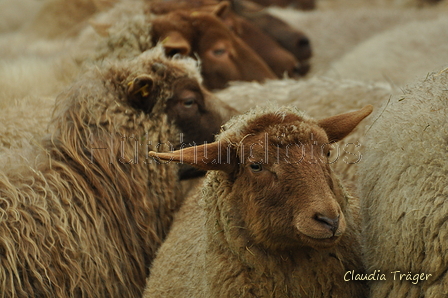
(266, 46)
(273, 220)
(293, 40)
(301, 4)
(84, 215)
(224, 56)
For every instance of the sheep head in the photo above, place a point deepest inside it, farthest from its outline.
(224, 56)
(193, 109)
(142, 102)
(276, 57)
(284, 192)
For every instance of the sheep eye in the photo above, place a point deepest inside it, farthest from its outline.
(255, 167)
(189, 102)
(219, 52)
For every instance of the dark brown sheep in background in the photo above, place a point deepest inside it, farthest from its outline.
(293, 40)
(301, 4)
(84, 215)
(281, 60)
(224, 56)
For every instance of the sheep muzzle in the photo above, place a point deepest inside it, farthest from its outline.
(320, 230)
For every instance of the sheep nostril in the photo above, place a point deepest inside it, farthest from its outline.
(300, 69)
(331, 224)
(303, 42)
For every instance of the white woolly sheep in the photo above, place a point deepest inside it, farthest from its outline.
(29, 83)
(399, 55)
(14, 13)
(62, 19)
(33, 75)
(273, 221)
(331, 4)
(403, 185)
(334, 33)
(83, 215)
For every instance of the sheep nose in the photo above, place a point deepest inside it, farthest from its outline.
(300, 69)
(303, 42)
(303, 48)
(331, 224)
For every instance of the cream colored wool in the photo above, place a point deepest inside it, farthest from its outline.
(335, 32)
(209, 254)
(32, 75)
(331, 4)
(80, 221)
(13, 14)
(403, 186)
(400, 55)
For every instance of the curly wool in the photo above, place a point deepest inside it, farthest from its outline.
(209, 253)
(80, 221)
(403, 183)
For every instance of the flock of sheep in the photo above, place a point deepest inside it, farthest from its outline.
(324, 143)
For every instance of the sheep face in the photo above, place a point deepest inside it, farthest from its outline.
(190, 106)
(224, 56)
(301, 4)
(147, 90)
(291, 39)
(194, 110)
(282, 191)
(288, 191)
(275, 56)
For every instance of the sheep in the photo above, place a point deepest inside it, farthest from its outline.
(291, 39)
(13, 13)
(32, 76)
(84, 212)
(61, 19)
(224, 56)
(30, 82)
(404, 188)
(324, 4)
(301, 4)
(320, 97)
(337, 31)
(272, 221)
(24, 121)
(279, 58)
(399, 55)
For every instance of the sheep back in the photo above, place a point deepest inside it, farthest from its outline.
(403, 185)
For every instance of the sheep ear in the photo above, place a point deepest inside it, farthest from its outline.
(175, 43)
(139, 92)
(339, 126)
(207, 157)
(222, 9)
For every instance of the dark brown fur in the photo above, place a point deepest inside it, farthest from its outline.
(301, 4)
(279, 59)
(293, 40)
(224, 56)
